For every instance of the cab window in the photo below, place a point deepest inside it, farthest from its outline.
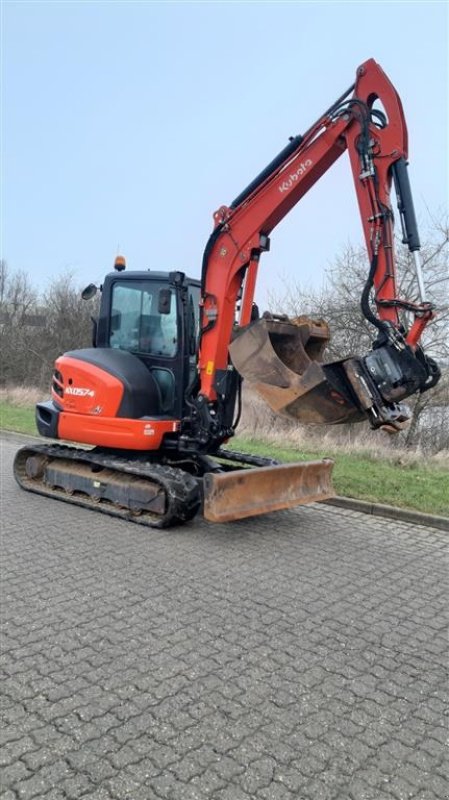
(136, 324)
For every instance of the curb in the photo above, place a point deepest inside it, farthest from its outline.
(5, 434)
(380, 510)
(375, 509)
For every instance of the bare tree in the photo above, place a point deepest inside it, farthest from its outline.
(69, 322)
(35, 331)
(3, 280)
(17, 300)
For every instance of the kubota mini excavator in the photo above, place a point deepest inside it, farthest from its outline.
(157, 393)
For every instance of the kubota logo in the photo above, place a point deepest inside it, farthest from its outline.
(294, 176)
(78, 392)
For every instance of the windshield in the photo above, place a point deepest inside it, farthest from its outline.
(136, 324)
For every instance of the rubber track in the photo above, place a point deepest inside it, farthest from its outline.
(182, 491)
(245, 458)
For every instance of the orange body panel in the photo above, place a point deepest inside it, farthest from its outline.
(86, 389)
(90, 399)
(116, 432)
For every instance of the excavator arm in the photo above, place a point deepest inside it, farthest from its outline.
(284, 359)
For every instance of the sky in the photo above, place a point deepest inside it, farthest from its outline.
(125, 125)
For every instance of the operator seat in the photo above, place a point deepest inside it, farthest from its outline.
(151, 337)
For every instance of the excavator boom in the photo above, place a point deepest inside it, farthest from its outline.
(280, 359)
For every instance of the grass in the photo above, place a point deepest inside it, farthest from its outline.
(16, 418)
(419, 486)
(396, 481)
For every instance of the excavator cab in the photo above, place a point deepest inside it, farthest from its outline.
(136, 373)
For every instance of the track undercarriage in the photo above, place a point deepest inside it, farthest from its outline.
(160, 495)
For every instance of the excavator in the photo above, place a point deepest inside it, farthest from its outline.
(155, 399)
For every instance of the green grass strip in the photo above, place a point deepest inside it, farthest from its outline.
(18, 419)
(423, 487)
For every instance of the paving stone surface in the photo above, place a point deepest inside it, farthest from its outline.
(298, 656)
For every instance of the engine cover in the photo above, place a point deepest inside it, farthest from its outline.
(105, 382)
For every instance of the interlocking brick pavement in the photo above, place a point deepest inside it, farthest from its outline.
(297, 656)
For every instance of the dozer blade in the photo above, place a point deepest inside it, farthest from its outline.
(282, 359)
(259, 490)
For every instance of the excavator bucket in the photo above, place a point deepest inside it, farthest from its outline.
(283, 361)
(244, 493)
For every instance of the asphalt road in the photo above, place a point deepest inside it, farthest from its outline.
(298, 656)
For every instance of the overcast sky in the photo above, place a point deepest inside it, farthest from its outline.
(126, 125)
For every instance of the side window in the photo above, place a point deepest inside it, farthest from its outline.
(169, 330)
(193, 329)
(194, 317)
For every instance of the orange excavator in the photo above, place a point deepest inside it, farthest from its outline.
(159, 393)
